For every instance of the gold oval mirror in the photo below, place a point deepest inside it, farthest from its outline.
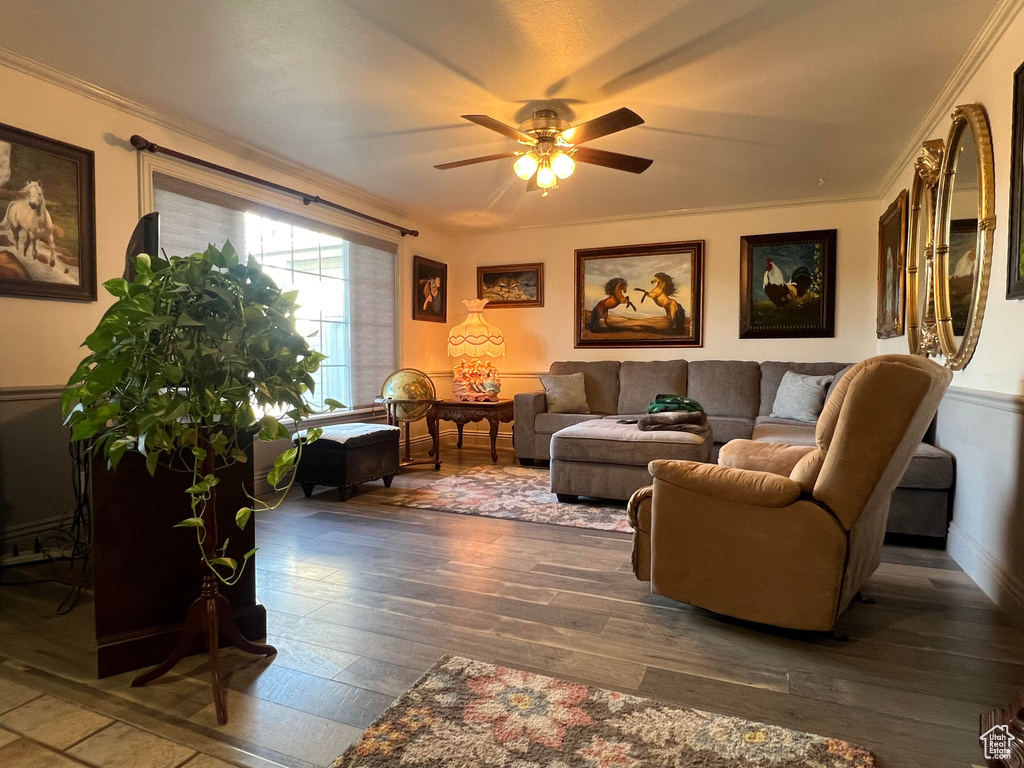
(921, 333)
(965, 222)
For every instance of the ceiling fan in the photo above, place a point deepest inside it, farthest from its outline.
(554, 146)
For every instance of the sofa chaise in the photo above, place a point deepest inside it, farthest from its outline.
(737, 396)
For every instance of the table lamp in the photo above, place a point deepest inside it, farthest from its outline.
(476, 379)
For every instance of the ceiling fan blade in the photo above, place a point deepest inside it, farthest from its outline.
(475, 160)
(614, 160)
(619, 120)
(500, 127)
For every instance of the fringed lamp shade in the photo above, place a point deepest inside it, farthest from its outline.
(475, 337)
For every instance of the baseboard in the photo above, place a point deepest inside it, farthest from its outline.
(987, 572)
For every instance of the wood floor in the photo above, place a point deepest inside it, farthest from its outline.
(363, 597)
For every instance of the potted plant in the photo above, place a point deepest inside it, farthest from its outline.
(196, 352)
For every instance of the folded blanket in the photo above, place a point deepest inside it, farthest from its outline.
(694, 422)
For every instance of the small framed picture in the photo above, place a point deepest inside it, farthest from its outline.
(640, 295)
(1015, 257)
(511, 285)
(429, 290)
(788, 285)
(892, 260)
(48, 221)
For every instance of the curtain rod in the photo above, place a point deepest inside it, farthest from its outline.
(144, 145)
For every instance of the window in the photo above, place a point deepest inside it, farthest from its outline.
(346, 280)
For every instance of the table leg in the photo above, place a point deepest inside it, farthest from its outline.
(459, 425)
(434, 424)
(493, 420)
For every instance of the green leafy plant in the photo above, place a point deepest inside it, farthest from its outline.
(193, 355)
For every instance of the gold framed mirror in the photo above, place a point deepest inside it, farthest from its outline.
(965, 222)
(920, 304)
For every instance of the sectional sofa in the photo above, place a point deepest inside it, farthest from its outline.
(738, 396)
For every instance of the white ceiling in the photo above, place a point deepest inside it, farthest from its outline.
(746, 101)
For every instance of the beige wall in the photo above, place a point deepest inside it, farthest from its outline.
(39, 340)
(537, 336)
(981, 421)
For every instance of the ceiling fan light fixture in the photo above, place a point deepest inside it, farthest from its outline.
(563, 165)
(525, 166)
(546, 177)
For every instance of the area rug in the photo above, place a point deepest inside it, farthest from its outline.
(511, 493)
(466, 713)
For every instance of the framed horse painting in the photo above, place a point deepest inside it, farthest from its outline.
(47, 233)
(640, 295)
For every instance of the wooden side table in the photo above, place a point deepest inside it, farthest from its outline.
(463, 412)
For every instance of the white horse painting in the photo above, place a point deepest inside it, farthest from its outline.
(30, 222)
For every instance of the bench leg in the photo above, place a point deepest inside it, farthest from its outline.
(307, 488)
(344, 492)
(387, 480)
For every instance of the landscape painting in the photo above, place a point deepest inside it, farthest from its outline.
(963, 257)
(47, 239)
(787, 285)
(511, 285)
(640, 295)
(429, 290)
(892, 259)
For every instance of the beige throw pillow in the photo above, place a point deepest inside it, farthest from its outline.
(565, 394)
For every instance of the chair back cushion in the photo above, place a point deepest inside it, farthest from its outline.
(641, 381)
(600, 379)
(725, 387)
(870, 427)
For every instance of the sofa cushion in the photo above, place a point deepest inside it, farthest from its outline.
(772, 372)
(800, 396)
(549, 423)
(640, 382)
(601, 381)
(930, 467)
(726, 428)
(565, 393)
(725, 387)
(607, 442)
(788, 431)
(835, 380)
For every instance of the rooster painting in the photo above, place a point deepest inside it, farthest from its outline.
(788, 285)
(781, 292)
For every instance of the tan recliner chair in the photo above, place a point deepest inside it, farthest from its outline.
(786, 535)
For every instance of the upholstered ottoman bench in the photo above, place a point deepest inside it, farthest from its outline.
(608, 460)
(347, 455)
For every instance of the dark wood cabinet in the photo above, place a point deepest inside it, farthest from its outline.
(147, 573)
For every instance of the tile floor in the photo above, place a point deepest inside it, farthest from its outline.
(42, 731)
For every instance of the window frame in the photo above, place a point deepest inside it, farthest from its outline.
(337, 223)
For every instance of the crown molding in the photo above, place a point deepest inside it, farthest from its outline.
(993, 29)
(199, 132)
(738, 207)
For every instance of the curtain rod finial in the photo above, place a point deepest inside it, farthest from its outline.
(140, 143)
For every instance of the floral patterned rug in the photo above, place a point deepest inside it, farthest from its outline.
(466, 713)
(511, 493)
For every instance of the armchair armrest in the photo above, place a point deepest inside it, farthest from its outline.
(741, 486)
(777, 458)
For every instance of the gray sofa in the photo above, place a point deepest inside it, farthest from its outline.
(738, 396)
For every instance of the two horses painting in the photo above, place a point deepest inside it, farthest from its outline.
(640, 295)
(47, 244)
